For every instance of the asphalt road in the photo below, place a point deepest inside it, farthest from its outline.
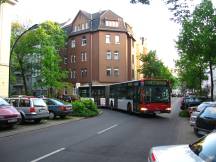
(111, 137)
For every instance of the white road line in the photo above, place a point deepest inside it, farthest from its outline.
(47, 155)
(107, 129)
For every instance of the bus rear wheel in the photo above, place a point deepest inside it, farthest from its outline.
(129, 108)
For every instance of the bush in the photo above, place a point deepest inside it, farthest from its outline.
(184, 113)
(85, 108)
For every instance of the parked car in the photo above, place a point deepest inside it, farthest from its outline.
(189, 101)
(206, 121)
(30, 108)
(9, 116)
(199, 109)
(202, 150)
(69, 98)
(57, 108)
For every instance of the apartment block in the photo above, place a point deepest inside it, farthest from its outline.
(99, 49)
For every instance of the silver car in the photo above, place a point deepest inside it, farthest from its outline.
(201, 107)
(203, 150)
(30, 108)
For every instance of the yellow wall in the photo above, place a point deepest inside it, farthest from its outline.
(5, 32)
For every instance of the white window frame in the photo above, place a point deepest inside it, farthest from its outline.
(74, 74)
(109, 71)
(116, 55)
(108, 38)
(84, 41)
(82, 57)
(86, 25)
(73, 43)
(117, 39)
(85, 56)
(65, 60)
(109, 55)
(116, 72)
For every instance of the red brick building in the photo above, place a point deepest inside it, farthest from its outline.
(99, 49)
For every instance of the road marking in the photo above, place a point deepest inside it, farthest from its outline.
(107, 129)
(47, 155)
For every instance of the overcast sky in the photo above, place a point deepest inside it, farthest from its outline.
(151, 22)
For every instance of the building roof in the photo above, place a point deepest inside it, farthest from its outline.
(96, 22)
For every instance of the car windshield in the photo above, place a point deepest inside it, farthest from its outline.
(3, 102)
(204, 105)
(205, 148)
(39, 102)
(209, 112)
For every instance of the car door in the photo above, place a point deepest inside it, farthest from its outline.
(24, 106)
(51, 105)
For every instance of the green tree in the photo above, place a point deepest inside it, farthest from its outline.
(191, 71)
(2, 1)
(154, 68)
(198, 37)
(38, 51)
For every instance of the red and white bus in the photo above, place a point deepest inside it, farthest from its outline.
(140, 96)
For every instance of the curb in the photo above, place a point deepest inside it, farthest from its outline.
(43, 125)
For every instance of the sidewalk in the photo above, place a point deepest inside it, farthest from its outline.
(32, 126)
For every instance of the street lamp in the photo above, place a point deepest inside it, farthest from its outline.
(12, 49)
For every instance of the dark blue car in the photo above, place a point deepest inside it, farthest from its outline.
(57, 108)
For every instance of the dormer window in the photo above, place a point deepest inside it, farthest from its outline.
(112, 23)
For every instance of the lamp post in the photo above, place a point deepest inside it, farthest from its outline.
(12, 49)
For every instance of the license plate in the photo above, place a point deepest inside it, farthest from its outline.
(12, 120)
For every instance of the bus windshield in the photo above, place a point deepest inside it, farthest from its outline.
(156, 94)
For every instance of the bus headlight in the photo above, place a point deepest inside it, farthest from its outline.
(143, 109)
(168, 109)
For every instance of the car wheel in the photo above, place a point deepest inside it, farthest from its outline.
(51, 115)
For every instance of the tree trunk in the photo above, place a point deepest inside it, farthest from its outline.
(212, 83)
(23, 75)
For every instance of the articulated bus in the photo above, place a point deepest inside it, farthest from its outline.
(140, 96)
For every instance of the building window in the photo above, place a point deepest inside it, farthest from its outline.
(108, 71)
(83, 56)
(108, 38)
(73, 44)
(71, 74)
(65, 60)
(87, 25)
(83, 26)
(117, 39)
(74, 74)
(83, 72)
(116, 72)
(75, 28)
(73, 58)
(112, 23)
(108, 55)
(116, 55)
(84, 41)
